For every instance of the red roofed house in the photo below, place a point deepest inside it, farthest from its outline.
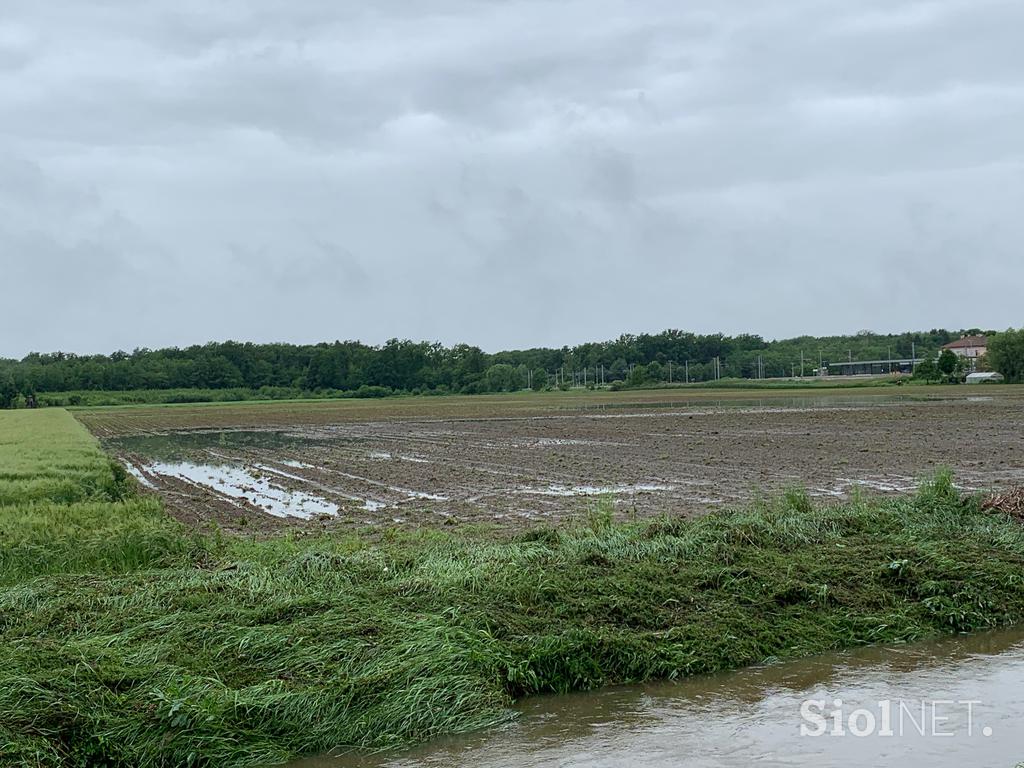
(970, 347)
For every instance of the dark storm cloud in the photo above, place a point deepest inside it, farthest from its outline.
(508, 173)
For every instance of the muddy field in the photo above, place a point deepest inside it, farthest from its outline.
(531, 457)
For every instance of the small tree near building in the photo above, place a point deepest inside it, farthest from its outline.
(926, 370)
(947, 363)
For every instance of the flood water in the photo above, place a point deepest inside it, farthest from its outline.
(956, 702)
(682, 457)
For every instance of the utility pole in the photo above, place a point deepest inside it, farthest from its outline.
(801, 363)
(669, 371)
(687, 371)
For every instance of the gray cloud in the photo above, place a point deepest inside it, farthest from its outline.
(506, 173)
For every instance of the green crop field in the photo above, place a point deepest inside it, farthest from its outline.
(66, 508)
(126, 640)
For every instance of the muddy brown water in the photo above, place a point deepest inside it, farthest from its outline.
(956, 702)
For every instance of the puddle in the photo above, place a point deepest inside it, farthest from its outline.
(388, 456)
(414, 459)
(407, 492)
(596, 490)
(561, 441)
(239, 484)
(134, 472)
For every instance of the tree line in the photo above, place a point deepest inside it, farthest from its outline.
(425, 367)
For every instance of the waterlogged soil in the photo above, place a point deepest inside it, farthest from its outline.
(945, 704)
(520, 459)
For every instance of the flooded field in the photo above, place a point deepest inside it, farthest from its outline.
(523, 458)
(936, 705)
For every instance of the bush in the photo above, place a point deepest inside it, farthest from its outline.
(368, 391)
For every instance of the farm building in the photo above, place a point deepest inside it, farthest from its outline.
(984, 378)
(970, 347)
(871, 367)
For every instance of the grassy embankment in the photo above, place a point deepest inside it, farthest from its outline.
(103, 398)
(126, 641)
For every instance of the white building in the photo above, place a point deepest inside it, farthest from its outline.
(971, 347)
(983, 377)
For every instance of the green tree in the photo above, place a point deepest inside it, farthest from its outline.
(638, 375)
(947, 363)
(500, 377)
(926, 370)
(1006, 354)
(8, 391)
(520, 376)
(540, 379)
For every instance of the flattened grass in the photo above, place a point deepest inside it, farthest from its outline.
(230, 652)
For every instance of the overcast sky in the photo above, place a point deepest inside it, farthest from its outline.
(505, 172)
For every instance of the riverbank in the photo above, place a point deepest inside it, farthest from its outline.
(753, 716)
(126, 640)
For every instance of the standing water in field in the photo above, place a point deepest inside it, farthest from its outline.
(971, 688)
(419, 463)
(242, 485)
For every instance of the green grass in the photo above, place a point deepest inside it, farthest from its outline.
(237, 652)
(66, 508)
(48, 456)
(114, 398)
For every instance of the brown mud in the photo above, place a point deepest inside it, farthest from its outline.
(526, 458)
